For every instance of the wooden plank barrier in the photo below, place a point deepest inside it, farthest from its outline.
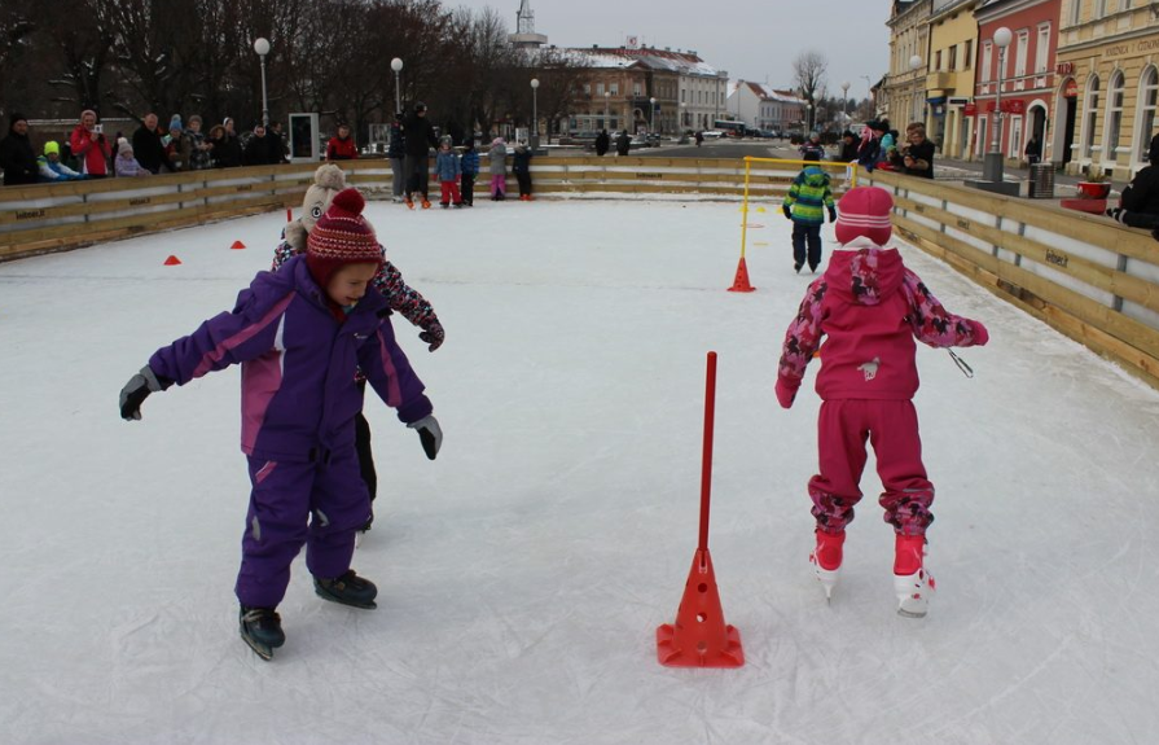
(1089, 277)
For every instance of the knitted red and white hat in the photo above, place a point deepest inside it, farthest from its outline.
(341, 236)
(865, 211)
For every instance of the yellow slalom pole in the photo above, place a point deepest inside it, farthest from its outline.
(744, 221)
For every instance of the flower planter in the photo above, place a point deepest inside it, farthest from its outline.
(1094, 189)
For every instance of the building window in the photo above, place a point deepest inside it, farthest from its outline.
(636, 90)
(1148, 95)
(987, 61)
(1042, 49)
(1020, 58)
(1014, 148)
(953, 58)
(1114, 116)
(938, 60)
(587, 89)
(1076, 12)
(614, 88)
(968, 57)
(1100, 8)
(1090, 116)
(599, 89)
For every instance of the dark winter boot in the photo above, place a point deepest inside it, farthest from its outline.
(349, 589)
(261, 629)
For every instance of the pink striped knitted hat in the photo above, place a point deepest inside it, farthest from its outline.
(865, 211)
(341, 236)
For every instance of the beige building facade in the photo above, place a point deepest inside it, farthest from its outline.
(1108, 82)
(904, 92)
(950, 76)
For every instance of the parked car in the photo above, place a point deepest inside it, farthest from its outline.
(712, 134)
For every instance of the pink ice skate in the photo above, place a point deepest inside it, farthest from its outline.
(826, 560)
(913, 584)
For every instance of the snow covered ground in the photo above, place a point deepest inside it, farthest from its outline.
(522, 575)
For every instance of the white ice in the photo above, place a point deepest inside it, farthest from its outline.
(523, 574)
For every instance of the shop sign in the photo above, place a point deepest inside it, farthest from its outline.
(1064, 68)
(1071, 90)
(970, 109)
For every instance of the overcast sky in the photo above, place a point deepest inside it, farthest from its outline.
(751, 39)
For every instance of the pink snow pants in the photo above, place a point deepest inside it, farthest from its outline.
(498, 185)
(891, 427)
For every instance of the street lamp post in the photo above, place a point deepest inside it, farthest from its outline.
(262, 47)
(652, 119)
(396, 65)
(844, 102)
(915, 63)
(535, 115)
(809, 116)
(607, 115)
(992, 162)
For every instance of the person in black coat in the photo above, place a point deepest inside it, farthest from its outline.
(226, 152)
(917, 156)
(623, 143)
(149, 147)
(17, 157)
(1139, 204)
(262, 149)
(419, 138)
(849, 145)
(603, 142)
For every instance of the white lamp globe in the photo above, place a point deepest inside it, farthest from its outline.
(262, 46)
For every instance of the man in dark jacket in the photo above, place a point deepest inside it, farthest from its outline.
(149, 146)
(419, 139)
(849, 145)
(623, 143)
(17, 157)
(918, 155)
(603, 142)
(1139, 205)
(261, 150)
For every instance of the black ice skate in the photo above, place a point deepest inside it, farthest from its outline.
(349, 589)
(261, 629)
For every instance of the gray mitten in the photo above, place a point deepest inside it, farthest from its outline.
(430, 434)
(136, 391)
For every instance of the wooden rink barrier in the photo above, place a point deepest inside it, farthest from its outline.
(1087, 276)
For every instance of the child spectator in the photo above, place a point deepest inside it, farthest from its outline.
(812, 145)
(125, 164)
(178, 147)
(498, 157)
(871, 307)
(447, 168)
(298, 423)
(51, 168)
(469, 163)
(809, 197)
(521, 167)
(199, 158)
(341, 146)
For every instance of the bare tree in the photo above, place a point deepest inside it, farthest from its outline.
(15, 26)
(809, 75)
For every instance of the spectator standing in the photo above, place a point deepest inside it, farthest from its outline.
(521, 167)
(90, 147)
(603, 142)
(227, 152)
(849, 144)
(149, 145)
(51, 168)
(396, 152)
(917, 156)
(178, 147)
(812, 145)
(199, 158)
(341, 146)
(1139, 204)
(277, 142)
(870, 148)
(498, 161)
(1033, 150)
(420, 138)
(623, 143)
(125, 164)
(258, 151)
(470, 166)
(17, 157)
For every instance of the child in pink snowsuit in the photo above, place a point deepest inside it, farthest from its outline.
(872, 308)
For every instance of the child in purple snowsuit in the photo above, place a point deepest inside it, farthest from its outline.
(299, 334)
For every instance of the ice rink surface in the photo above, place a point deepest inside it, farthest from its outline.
(522, 575)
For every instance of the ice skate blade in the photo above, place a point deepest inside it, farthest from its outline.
(334, 599)
(262, 650)
(827, 577)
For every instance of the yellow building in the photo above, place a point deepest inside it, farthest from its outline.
(950, 78)
(1108, 52)
(909, 39)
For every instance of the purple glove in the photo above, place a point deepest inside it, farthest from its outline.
(786, 393)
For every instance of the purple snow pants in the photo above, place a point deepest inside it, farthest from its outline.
(891, 427)
(320, 504)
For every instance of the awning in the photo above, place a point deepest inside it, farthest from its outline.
(936, 100)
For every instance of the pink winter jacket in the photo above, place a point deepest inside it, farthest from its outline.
(872, 308)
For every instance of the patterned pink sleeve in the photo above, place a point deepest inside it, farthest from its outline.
(803, 337)
(934, 325)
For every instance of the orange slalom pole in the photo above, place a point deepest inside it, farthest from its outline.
(706, 464)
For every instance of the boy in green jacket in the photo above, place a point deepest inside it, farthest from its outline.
(809, 198)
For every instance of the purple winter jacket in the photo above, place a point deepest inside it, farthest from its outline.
(299, 397)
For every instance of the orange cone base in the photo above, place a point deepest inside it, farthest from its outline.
(741, 283)
(700, 637)
(172, 261)
(237, 245)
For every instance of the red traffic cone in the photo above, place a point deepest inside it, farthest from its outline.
(172, 261)
(700, 637)
(237, 245)
(741, 283)
(289, 215)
